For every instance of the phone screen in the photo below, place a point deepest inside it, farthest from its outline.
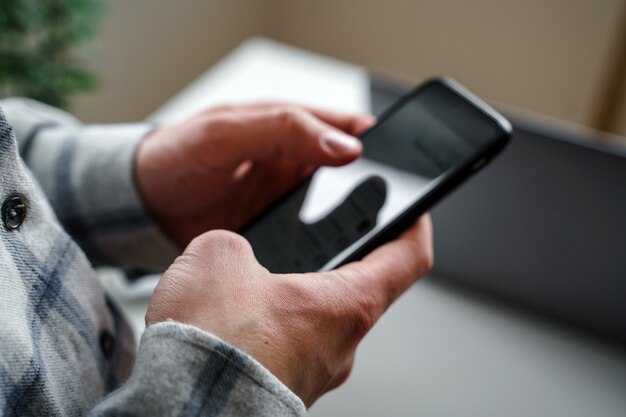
(415, 144)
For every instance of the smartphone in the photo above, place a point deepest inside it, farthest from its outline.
(422, 147)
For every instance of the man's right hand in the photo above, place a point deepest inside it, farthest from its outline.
(304, 328)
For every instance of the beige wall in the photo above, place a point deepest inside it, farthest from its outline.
(549, 56)
(150, 49)
(546, 56)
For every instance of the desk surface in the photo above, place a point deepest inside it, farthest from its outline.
(439, 351)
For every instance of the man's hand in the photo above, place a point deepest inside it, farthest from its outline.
(220, 168)
(304, 328)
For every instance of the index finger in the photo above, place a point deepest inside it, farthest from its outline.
(270, 132)
(351, 123)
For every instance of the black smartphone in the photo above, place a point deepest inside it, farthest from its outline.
(422, 147)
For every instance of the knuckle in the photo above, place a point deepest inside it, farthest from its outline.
(216, 119)
(216, 125)
(235, 243)
(170, 292)
(218, 240)
(199, 244)
(223, 108)
(290, 117)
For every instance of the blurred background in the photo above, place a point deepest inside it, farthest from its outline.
(524, 313)
(561, 58)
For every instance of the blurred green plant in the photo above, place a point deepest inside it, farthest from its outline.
(38, 40)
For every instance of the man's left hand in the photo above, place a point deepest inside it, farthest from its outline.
(223, 166)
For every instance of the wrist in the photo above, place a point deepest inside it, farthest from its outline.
(200, 362)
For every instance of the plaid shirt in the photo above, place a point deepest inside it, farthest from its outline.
(64, 349)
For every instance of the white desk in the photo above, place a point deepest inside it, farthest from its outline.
(438, 351)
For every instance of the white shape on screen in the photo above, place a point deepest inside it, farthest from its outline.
(331, 186)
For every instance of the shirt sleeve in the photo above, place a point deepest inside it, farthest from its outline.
(86, 172)
(181, 370)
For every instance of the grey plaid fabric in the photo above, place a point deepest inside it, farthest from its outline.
(64, 349)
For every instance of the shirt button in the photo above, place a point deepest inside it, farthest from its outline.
(107, 344)
(14, 211)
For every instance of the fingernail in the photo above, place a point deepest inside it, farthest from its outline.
(370, 119)
(342, 144)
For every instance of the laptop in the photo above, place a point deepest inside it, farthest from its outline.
(544, 224)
